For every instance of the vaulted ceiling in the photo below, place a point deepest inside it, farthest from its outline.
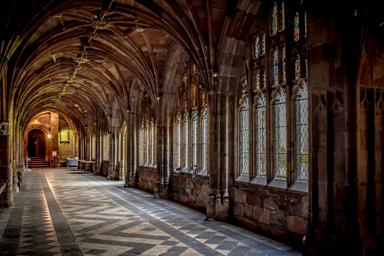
(85, 57)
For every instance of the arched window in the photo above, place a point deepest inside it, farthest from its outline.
(142, 144)
(186, 139)
(261, 136)
(280, 135)
(244, 135)
(106, 146)
(177, 140)
(195, 135)
(204, 138)
(301, 132)
(153, 141)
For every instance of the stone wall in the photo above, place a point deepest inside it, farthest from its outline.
(190, 190)
(147, 178)
(275, 212)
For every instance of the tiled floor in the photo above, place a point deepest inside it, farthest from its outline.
(65, 212)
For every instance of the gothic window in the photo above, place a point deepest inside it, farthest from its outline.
(148, 144)
(284, 67)
(296, 27)
(261, 137)
(204, 138)
(282, 17)
(274, 22)
(257, 47)
(195, 128)
(244, 136)
(276, 67)
(106, 147)
(177, 140)
(280, 135)
(153, 148)
(297, 67)
(142, 146)
(263, 44)
(93, 147)
(186, 139)
(302, 133)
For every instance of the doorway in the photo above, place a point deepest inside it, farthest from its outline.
(36, 143)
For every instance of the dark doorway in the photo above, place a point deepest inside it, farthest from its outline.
(36, 143)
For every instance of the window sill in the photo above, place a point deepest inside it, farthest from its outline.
(260, 180)
(278, 183)
(243, 178)
(299, 186)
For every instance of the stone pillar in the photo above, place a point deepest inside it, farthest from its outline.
(6, 198)
(132, 143)
(161, 189)
(218, 205)
(111, 166)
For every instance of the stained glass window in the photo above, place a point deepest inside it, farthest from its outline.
(297, 67)
(257, 47)
(302, 133)
(276, 67)
(195, 129)
(264, 79)
(280, 136)
(274, 22)
(244, 136)
(186, 139)
(296, 27)
(261, 140)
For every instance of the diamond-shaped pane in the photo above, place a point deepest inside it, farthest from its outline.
(302, 134)
(244, 137)
(280, 137)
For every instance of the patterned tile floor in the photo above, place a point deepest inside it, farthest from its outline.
(66, 212)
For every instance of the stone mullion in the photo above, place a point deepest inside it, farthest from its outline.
(111, 165)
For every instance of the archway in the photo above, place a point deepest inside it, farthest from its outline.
(36, 143)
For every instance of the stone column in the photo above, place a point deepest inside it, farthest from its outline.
(6, 198)
(111, 165)
(218, 204)
(132, 146)
(161, 189)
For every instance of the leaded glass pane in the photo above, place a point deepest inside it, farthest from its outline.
(297, 67)
(177, 138)
(257, 47)
(276, 67)
(263, 44)
(261, 140)
(257, 82)
(305, 25)
(302, 134)
(282, 19)
(148, 138)
(280, 136)
(296, 27)
(244, 136)
(284, 75)
(142, 146)
(153, 148)
(195, 126)
(274, 19)
(186, 139)
(204, 138)
(106, 147)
